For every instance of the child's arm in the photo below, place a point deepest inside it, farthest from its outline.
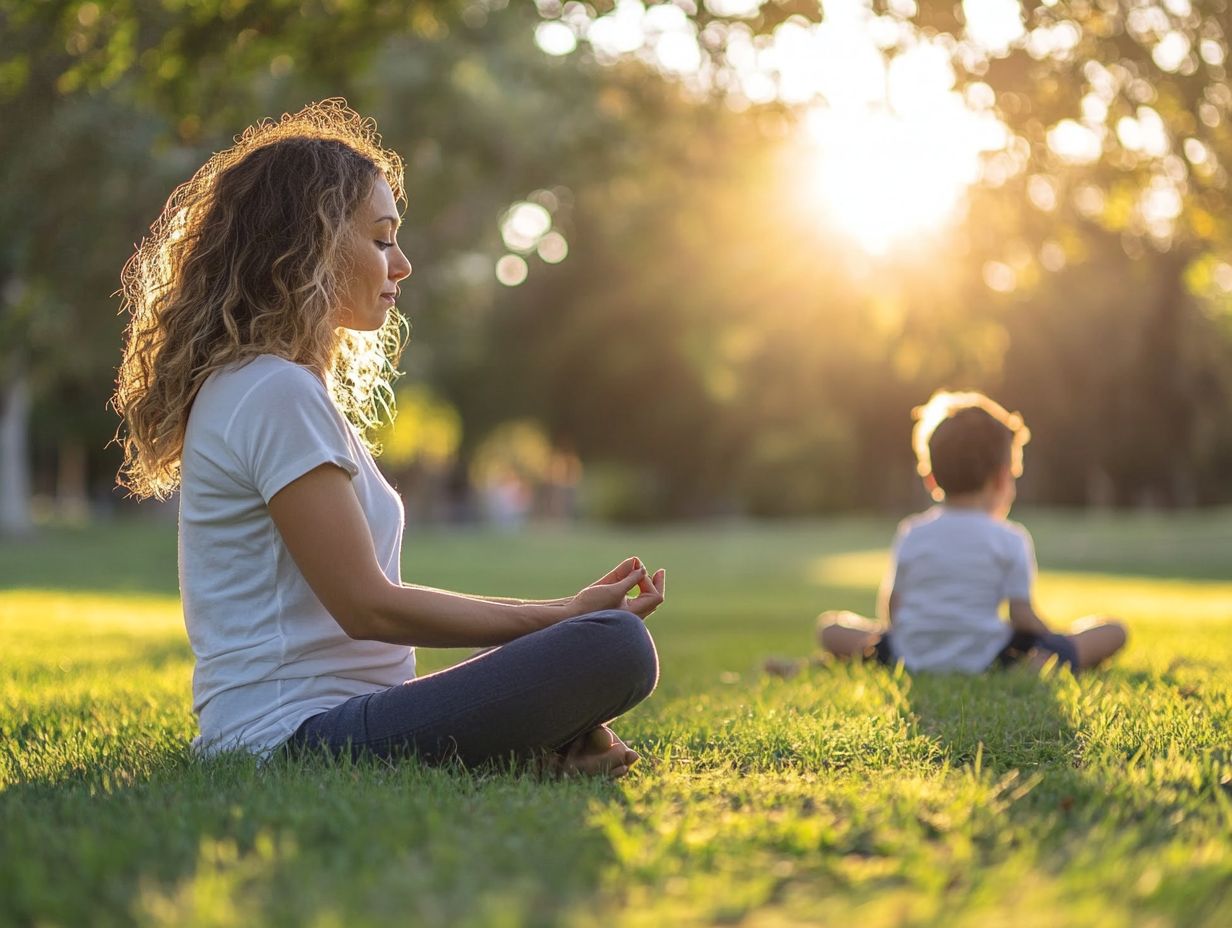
(1023, 618)
(887, 597)
(1020, 583)
(887, 605)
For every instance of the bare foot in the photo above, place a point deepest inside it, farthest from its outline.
(598, 752)
(1037, 659)
(1041, 662)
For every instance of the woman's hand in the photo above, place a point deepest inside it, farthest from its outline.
(611, 591)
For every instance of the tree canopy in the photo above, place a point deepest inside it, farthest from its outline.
(698, 241)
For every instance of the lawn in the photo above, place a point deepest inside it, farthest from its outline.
(846, 795)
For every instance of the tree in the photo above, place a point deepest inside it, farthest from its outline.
(106, 107)
(1118, 119)
(705, 332)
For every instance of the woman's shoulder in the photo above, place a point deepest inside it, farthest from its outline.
(262, 367)
(254, 384)
(235, 381)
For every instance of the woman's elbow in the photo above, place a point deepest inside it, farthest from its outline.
(356, 625)
(361, 617)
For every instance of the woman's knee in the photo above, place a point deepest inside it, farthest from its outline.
(624, 650)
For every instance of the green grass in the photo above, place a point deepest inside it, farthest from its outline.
(845, 795)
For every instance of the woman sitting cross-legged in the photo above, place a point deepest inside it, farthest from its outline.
(262, 332)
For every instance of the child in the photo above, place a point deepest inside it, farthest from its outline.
(954, 565)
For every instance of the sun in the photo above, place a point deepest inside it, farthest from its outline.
(889, 172)
(891, 143)
(884, 180)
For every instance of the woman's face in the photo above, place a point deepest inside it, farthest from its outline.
(376, 262)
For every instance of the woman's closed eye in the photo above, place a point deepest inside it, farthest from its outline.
(381, 244)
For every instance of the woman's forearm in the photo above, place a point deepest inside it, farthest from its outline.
(426, 617)
(511, 601)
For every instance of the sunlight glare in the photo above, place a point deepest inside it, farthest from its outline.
(884, 179)
(733, 8)
(994, 25)
(894, 143)
(887, 175)
(620, 32)
(849, 67)
(1074, 142)
(919, 79)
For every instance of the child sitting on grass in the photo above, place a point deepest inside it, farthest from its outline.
(955, 564)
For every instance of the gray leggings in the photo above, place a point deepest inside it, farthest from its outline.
(536, 693)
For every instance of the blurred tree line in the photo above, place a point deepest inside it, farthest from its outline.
(709, 343)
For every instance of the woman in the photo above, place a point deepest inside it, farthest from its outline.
(262, 333)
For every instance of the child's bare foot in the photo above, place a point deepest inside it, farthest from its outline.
(785, 667)
(846, 634)
(1038, 659)
(598, 752)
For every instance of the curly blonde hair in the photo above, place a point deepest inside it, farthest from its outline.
(249, 257)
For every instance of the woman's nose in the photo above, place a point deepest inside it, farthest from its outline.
(401, 268)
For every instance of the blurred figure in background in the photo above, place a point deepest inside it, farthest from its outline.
(955, 565)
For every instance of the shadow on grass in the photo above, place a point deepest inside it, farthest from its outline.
(1087, 808)
(1006, 721)
(296, 842)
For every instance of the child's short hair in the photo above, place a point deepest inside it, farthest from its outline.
(962, 439)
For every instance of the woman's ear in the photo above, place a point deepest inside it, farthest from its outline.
(930, 484)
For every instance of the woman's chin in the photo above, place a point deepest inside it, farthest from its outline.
(369, 323)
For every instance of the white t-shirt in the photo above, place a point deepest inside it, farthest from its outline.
(950, 571)
(268, 653)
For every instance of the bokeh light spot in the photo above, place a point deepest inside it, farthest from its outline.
(555, 38)
(1171, 51)
(994, 25)
(1042, 192)
(1052, 256)
(553, 248)
(1074, 142)
(734, 8)
(1000, 277)
(524, 224)
(511, 270)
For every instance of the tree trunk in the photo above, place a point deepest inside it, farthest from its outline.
(72, 500)
(1169, 379)
(15, 455)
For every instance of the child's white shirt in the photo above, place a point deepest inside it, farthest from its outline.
(950, 570)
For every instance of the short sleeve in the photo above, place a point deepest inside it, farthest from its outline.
(285, 426)
(1020, 572)
(896, 548)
